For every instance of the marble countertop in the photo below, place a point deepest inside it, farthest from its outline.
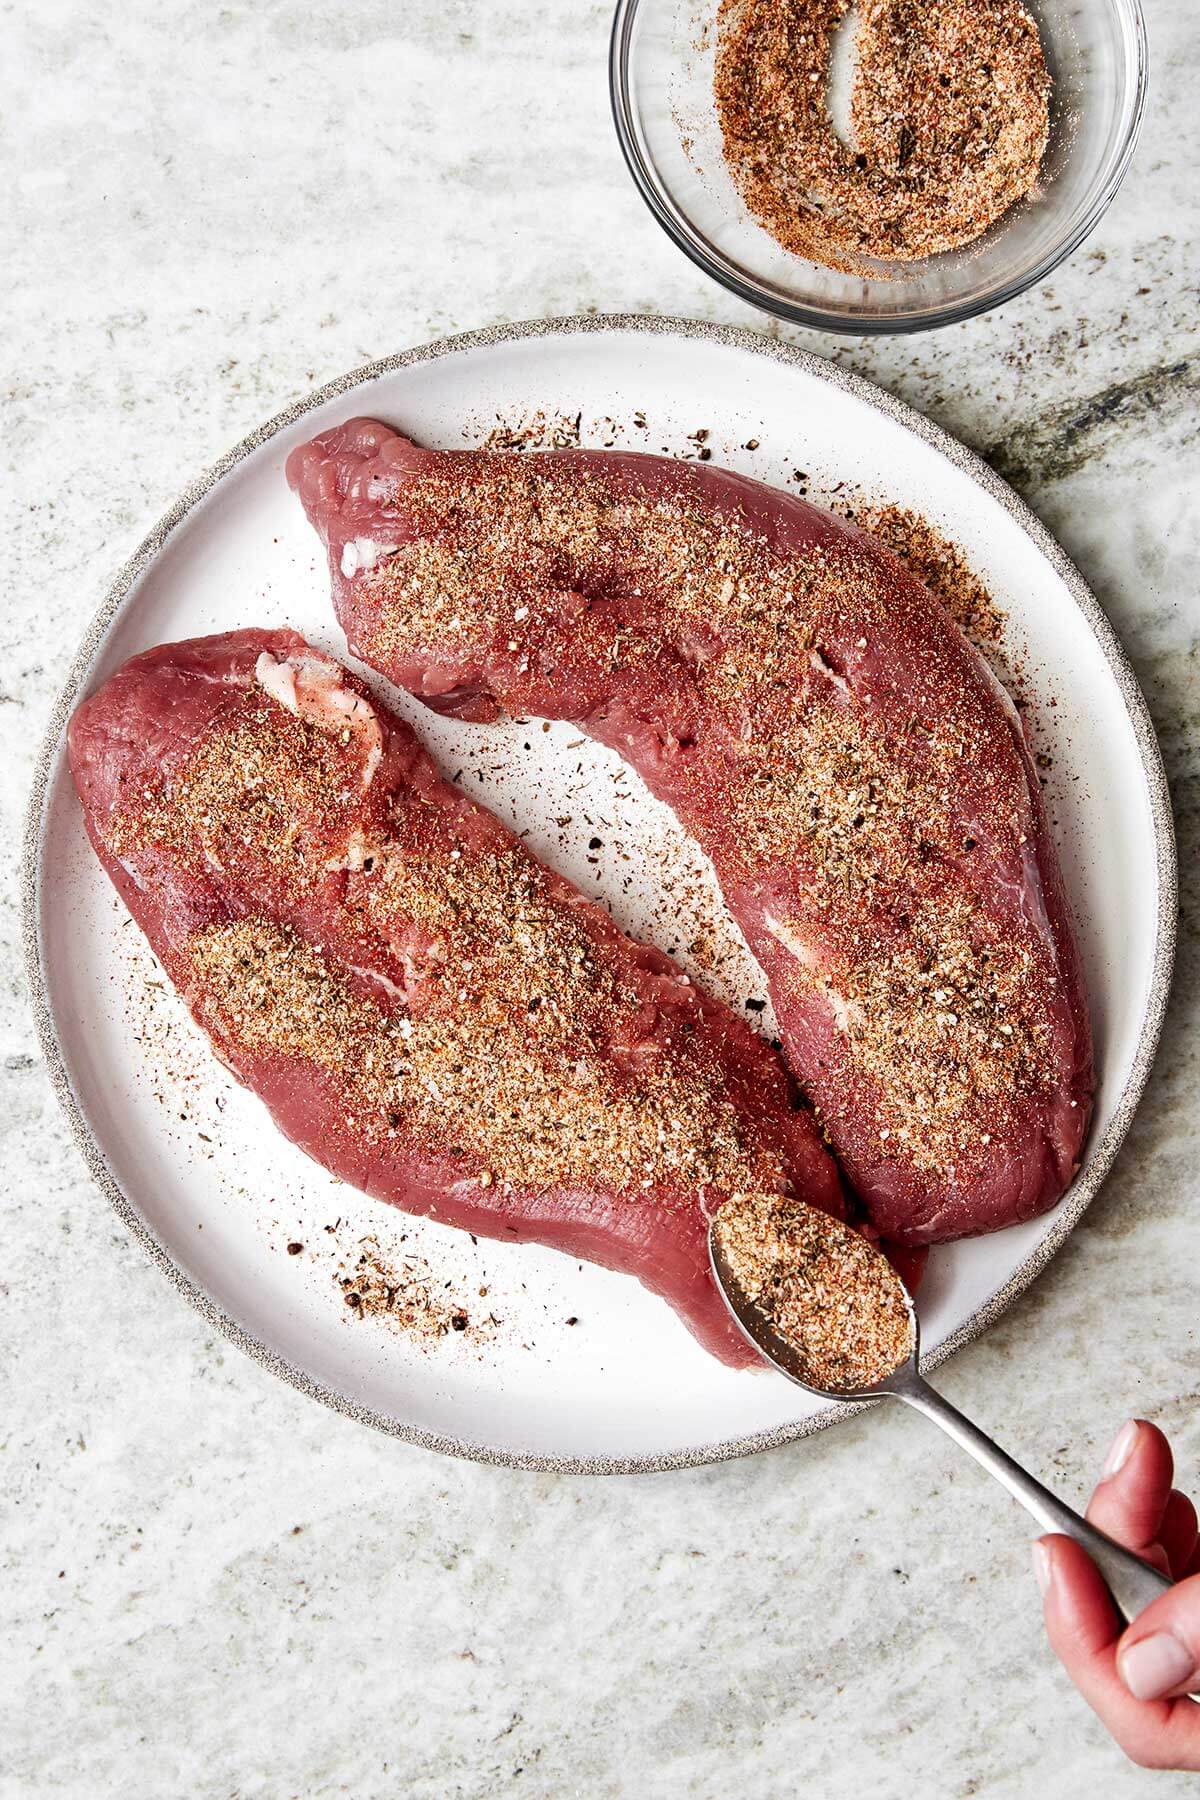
(213, 1587)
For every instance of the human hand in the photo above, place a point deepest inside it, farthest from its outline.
(1137, 1681)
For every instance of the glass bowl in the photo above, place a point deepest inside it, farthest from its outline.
(661, 74)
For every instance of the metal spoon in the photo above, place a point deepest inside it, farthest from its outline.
(1132, 1582)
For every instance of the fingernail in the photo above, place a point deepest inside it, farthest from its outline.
(1120, 1450)
(1043, 1568)
(1155, 1666)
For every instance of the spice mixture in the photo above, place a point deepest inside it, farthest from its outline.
(406, 1295)
(949, 120)
(519, 1042)
(540, 430)
(829, 1293)
(260, 786)
(938, 563)
(529, 1092)
(947, 1011)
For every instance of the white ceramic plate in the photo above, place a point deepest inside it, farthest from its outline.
(582, 1368)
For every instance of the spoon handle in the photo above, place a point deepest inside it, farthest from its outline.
(1132, 1583)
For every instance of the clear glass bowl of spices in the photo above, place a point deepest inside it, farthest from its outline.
(878, 165)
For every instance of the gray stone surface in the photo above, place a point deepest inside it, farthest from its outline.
(211, 1587)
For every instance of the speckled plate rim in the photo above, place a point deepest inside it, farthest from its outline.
(1100, 1155)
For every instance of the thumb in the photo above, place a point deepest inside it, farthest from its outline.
(1159, 1655)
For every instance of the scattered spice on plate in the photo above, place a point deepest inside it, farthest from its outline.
(405, 1294)
(948, 123)
(822, 1286)
(940, 564)
(539, 431)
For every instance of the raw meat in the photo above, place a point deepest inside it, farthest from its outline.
(858, 777)
(425, 1009)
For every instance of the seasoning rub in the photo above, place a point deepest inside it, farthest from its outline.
(829, 1293)
(820, 725)
(427, 1010)
(949, 120)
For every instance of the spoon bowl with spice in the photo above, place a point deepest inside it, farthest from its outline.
(826, 1308)
(871, 166)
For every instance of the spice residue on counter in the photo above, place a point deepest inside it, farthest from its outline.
(948, 123)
